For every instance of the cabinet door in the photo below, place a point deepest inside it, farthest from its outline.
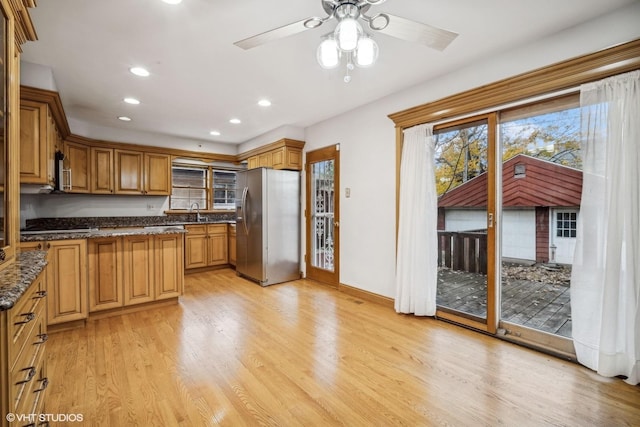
(67, 280)
(53, 144)
(138, 269)
(33, 143)
(105, 274)
(253, 162)
(218, 249)
(265, 160)
(129, 172)
(232, 244)
(157, 174)
(195, 251)
(77, 160)
(169, 266)
(101, 170)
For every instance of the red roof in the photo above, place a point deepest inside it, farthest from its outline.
(544, 183)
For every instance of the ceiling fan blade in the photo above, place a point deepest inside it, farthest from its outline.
(278, 33)
(417, 32)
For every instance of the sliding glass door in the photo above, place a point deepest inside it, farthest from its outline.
(466, 283)
(541, 189)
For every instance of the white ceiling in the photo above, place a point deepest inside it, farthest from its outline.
(199, 79)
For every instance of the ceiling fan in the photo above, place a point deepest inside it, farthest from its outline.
(384, 23)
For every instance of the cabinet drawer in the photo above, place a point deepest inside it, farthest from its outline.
(24, 316)
(33, 401)
(196, 229)
(216, 228)
(25, 375)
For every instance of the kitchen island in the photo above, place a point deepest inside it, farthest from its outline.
(98, 272)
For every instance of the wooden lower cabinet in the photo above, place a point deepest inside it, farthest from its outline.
(67, 280)
(195, 242)
(138, 269)
(232, 244)
(23, 334)
(105, 274)
(130, 270)
(206, 245)
(169, 266)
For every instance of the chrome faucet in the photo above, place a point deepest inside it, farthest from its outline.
(197, 210)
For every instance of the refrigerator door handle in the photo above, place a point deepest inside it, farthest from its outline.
(244, 211)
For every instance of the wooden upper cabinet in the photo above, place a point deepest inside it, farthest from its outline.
(287, 158)
(157, 174)
(38, 139)
(142, 173)
(77, 162)
(128, 175)
(282, 154)
(102, 170)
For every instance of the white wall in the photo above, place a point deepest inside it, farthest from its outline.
(367, 140)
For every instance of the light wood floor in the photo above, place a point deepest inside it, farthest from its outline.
(300, 354)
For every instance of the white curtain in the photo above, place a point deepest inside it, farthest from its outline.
(605, 282)
(417, 256)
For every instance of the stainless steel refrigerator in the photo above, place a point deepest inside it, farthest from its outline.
(268, 225)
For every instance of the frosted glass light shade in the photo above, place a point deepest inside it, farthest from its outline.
(327, 54)
(347, 33)
(366, 52)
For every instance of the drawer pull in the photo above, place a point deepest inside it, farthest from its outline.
(43, 339)
(40, 294)
(32, 372)
(28, 317)
(45, 384)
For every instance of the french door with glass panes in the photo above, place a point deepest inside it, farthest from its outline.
(323, 215)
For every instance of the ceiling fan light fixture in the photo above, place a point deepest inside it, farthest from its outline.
(347, 33)
(327, 54)
(366, 52)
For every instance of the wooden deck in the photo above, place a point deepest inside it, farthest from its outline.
(538, 305)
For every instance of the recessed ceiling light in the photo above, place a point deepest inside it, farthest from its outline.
(214, 133)
(132, 101)
(139, 71)
(172, 1)
(264, 103)
(235, 121)
(124, 118)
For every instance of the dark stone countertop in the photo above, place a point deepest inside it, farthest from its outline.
(99, 233)
(16, 278)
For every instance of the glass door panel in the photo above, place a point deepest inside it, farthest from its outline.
(541, 193)
(323, 215)
(462, 157)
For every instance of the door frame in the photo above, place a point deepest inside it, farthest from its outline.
(331, 152)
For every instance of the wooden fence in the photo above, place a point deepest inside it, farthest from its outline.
(463, 250)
